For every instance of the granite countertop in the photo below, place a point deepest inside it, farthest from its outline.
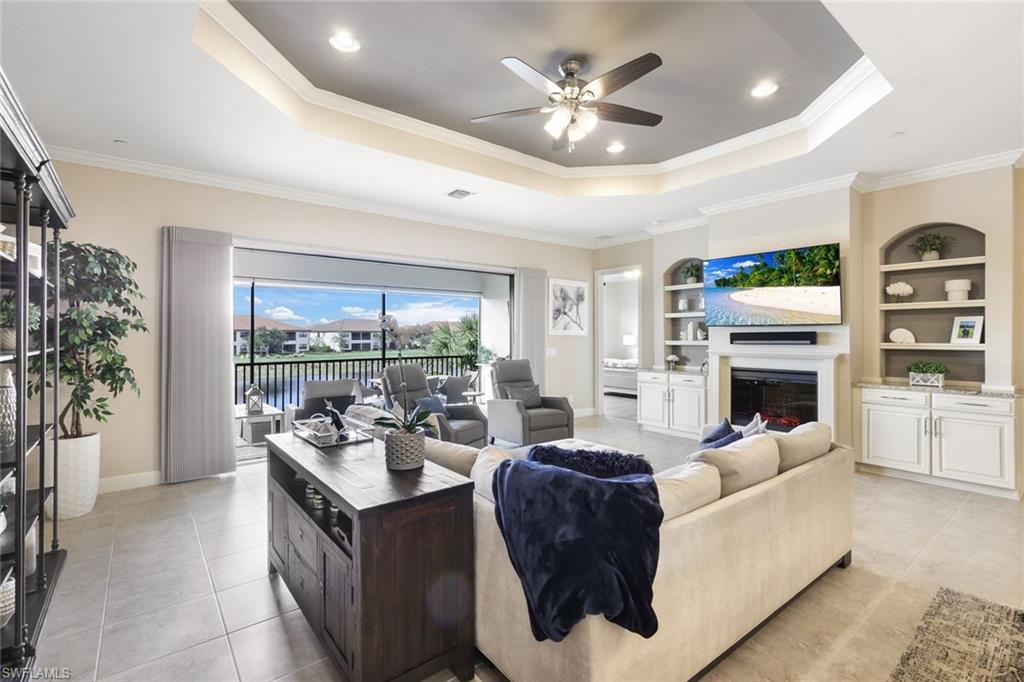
(891, 385)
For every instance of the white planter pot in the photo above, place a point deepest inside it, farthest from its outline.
(931, 255)
(958, 289)
(403, 450)
(928, 380)
(78, 476)
(691, 280)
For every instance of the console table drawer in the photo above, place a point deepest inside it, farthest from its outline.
(885, 397)
(301, 535)
(686, 379)
(973, 403)
(304, 585)
(652, 377)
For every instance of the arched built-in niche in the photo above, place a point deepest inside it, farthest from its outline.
(684, 303)
(927, 313)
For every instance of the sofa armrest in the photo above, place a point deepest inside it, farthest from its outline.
(507, 420)
(289, 417)
(466, 411)
(560, 403)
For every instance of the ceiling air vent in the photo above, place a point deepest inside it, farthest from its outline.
(460, 193)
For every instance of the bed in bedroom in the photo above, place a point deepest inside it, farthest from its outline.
(619, 376)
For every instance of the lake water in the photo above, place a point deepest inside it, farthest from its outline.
(723, 311)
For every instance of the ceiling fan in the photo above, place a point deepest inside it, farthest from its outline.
(574, 103)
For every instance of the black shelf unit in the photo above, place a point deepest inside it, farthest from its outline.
(36, 210)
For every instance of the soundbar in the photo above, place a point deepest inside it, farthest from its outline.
(774, 338)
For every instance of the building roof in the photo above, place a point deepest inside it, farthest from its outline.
(241, 323)
(349, 325)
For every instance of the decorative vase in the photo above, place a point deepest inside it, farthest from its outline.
(8, 408)
(8, 338)
(79, 476)
(958, 289)
(931, 255)
(403, 450)
(671, 365)
(928, 380)
(7, 591)
(691, 280)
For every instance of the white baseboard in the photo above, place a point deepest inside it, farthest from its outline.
(936, 481)
(579, 412)
(112, 484)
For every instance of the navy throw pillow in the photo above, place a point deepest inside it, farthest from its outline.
(720, 432)
(431, 404)
(596, 463)
(721, 442)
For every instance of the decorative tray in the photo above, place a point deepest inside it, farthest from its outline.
(319, 431)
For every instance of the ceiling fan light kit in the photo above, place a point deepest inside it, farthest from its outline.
(574, 102)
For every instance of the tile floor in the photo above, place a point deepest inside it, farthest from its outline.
(170, 582)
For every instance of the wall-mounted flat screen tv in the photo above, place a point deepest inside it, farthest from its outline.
(774, 288)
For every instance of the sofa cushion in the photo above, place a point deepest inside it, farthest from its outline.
(687, 487)
(528, 395)
(452, 456)
(546, 418)
(468, 430)
(718, 433)
(744, 463)
(803, 444)
(482, 471)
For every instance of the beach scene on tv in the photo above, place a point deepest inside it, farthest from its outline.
(785, 287)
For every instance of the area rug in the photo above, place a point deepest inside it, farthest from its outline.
(962, 637)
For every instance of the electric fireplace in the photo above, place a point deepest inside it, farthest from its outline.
(786, 399)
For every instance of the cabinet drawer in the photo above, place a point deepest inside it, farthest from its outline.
(304, 585)
(302, 535)
(686, 379)
(652, 377)
(973, 403)
(885, 397)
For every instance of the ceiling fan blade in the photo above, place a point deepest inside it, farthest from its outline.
(616, 113)
(509, 114)
(618, 78)
(560, 143)
(531, 75)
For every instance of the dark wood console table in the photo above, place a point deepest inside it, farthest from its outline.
(387, 582)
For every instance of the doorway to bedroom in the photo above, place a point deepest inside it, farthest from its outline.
(618, 341)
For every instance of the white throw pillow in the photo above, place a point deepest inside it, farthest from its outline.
(686, 487)
(802, 444)
(744, 463)
(453, 456)
(483, 469)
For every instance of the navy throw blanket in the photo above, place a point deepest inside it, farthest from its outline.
(580, 545)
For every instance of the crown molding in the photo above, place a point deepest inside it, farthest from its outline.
(841, 182)
(117, 163)
(619, 241)
(677, 225)
(1011, 158)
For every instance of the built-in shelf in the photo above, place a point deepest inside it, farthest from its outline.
(686, 343)
(689, 313)
(9, 273)
(684, 287)
(966, 347)
(932, 264)
(934, 305)
(33, 505)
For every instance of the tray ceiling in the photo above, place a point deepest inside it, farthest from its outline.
(439, 63)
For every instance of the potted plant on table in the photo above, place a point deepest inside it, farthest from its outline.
(691, 271)
(403, 439)
(8, 315)
(927, 373)
(930, 245)
(100, 294)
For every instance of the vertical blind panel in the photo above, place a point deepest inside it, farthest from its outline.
(197, 417)
(531, 299)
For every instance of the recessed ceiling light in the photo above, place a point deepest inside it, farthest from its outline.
(344, 42)
(764, 88)
(615, 147)
(460, 193)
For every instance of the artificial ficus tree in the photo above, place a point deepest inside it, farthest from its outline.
(99, 297)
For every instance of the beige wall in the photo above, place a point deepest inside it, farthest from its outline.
(126, 211)
(634, 253)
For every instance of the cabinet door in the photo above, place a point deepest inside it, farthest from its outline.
(973, 447)
(277, 515)
(651, 404)
(687, 409)
(896, 437)
(338, 603)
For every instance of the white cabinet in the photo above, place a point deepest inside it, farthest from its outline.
(672, 401)
(652, 403)
(947, 435)
(973, 447)
(896, 437)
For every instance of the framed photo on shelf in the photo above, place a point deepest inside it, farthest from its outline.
(568, 308)
(967, 329)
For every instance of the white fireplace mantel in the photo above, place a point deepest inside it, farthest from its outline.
(721, 362)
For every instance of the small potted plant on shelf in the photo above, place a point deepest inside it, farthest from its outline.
(8, 322)
(671, 361)
(927, 373)
(930, 245)
(691, 271)
(899, 290)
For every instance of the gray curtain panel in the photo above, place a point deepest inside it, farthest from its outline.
(531, 318)
(197, 415)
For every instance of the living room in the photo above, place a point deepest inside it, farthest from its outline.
(389, 294)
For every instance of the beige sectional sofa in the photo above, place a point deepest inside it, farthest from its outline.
(726, 563)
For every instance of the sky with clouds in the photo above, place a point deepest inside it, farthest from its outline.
(302, 305)
(725, 267)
